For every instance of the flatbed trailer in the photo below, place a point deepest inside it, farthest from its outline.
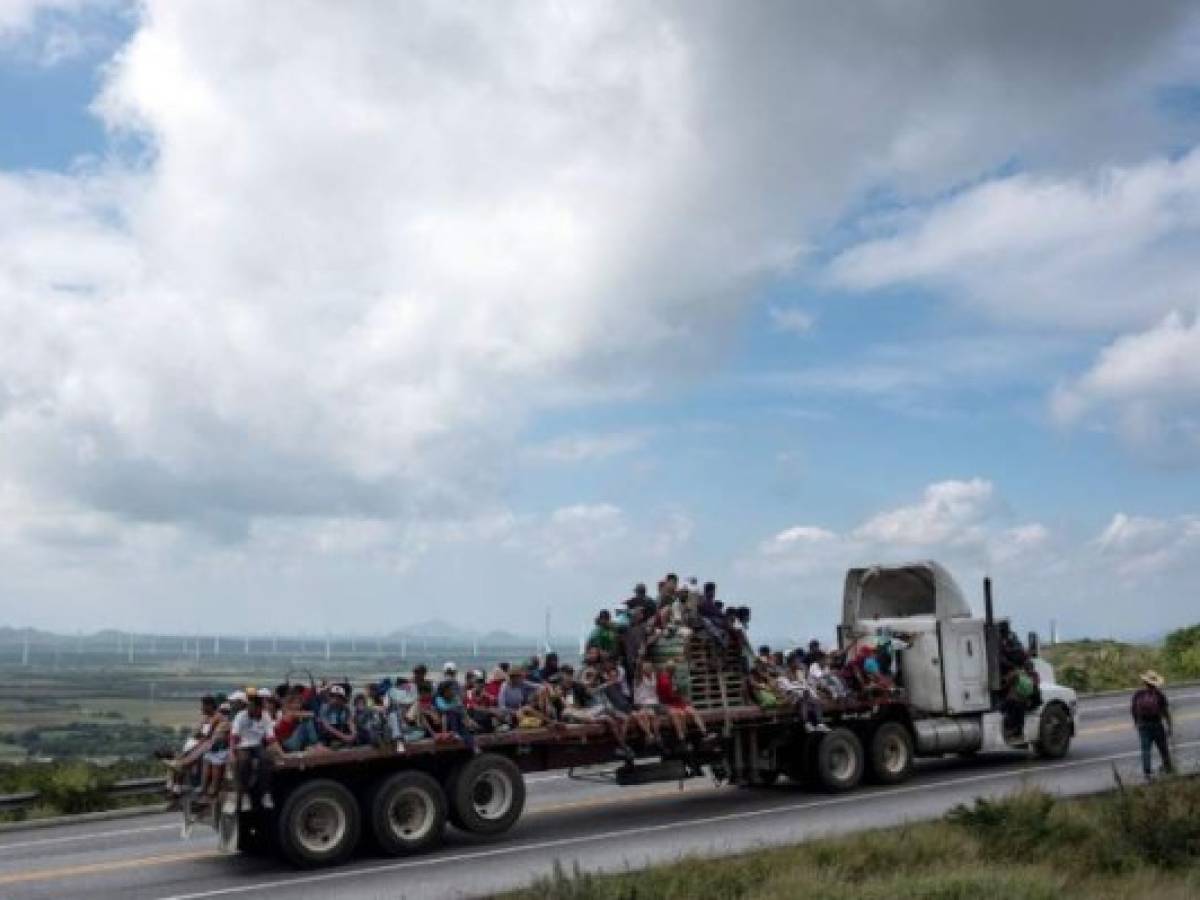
(325, 803)
(950, 702)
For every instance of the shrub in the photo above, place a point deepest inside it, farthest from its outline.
(76, 788)
(1015, 828)
(1160, 823)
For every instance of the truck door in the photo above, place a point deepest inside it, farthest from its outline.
(964, 651)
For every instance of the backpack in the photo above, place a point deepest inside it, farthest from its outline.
(1147, 706)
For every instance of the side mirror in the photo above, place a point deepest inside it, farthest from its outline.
(1035, 644)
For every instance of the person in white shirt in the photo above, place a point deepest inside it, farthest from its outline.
(253, 733)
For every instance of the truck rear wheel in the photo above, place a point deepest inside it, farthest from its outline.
(319, 824)
(408, 813)
(487, 794)
(1054, 732)
(890, 760)
(838, 761)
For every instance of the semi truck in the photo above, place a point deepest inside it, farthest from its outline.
(945, 699)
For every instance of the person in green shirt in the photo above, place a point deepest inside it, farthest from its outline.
(604, 635)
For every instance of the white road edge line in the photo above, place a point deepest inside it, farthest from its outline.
(645, 829)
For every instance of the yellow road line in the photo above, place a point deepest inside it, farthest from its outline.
(114, 866)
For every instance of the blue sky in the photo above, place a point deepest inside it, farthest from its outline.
(313, 312)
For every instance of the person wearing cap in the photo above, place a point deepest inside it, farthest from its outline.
(449, 681)
(1152, 718)
(334, 724)
(253, 731)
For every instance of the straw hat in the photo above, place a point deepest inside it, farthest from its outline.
(1152, 678)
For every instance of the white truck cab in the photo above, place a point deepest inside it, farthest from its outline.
(949, 661)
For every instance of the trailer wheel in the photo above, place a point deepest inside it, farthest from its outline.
(319, 824)
(253, 835)
(1054, 732)
(487, 794)
(408, 813)
(890, 760)
(838, 762)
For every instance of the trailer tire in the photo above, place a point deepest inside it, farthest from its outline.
(486, 794)
(319, 824)
(253, 835)
(838, 760)
(890, 760)
(408, 813)
(1054, 732)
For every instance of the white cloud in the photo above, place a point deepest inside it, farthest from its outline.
(949, 513)
(366, 244)
(1150, 383)
(1144, 546)
(791, 320)
(1103, 251)
(582, 448)
(1134, 576)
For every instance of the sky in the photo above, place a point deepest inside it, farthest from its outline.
(346, 316)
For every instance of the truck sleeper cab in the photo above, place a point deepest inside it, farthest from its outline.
(949, 662)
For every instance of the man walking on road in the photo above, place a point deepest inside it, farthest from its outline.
(1152, 718)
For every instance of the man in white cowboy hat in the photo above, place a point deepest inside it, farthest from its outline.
(1152, 718)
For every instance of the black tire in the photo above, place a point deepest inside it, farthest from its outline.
(408, 813)
(319, 824)
(1054, 732)
(890, 758)
(254, 835)
(486, 794)
(838, 761)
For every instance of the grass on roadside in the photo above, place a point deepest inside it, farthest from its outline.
(1133, 842)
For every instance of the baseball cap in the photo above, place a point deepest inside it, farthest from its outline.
(336, 690)
(449, 667)
(237, 697)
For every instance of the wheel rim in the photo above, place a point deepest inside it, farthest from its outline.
(321, 825)
(895, 754)
(411, 814)
(491, 796)
(841, 762)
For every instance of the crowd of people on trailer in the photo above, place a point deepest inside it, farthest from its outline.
(617, 685)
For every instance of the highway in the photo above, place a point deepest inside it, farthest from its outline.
(594, 826)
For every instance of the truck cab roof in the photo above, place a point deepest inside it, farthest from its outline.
(923, 589)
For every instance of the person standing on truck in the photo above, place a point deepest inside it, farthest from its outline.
(1152, 718)
(604, 635)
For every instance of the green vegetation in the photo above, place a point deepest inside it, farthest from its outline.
(71, 787)
(1108, 665)
(1138, 842)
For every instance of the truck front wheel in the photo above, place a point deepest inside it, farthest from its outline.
(408, 813)
(1054, 732)
(891, 757)
(838, 764)
(319, 824)
(487, 794)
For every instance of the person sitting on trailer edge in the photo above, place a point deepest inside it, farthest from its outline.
(678, 709)
(453, 715)
(251, 737)
(334, 723)
(217, 755)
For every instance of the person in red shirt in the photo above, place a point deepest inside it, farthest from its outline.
(678, 709)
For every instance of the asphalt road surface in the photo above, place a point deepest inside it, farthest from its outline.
(594, 826)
